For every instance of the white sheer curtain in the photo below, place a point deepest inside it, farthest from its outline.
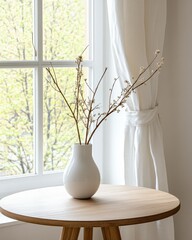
(137, 29)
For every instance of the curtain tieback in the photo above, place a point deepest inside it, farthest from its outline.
(140, 117)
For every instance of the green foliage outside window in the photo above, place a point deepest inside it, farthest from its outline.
(16, 121)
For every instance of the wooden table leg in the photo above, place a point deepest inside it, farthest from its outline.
(115, 233)
(66, 233)
(88, 233)
(111, 233)
(69, 233)
(106, 233)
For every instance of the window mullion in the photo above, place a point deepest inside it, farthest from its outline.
(38, 86)
(97, 71)
(90, 24)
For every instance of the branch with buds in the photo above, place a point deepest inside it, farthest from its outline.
(84, 110)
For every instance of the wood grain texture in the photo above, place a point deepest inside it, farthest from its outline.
(110, 206)
(70, 233)
(88, 233)
(111, 233)
(106, 233)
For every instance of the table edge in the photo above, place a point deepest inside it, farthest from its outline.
(102, 223)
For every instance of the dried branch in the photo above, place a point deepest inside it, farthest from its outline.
(84, 111)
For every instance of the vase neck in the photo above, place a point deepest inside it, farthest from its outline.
(82, 150)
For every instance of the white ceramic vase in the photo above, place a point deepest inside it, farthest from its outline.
(81, 177)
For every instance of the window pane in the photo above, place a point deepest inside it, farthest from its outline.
(59, 127)
(65, 29)
(16, 122)
(16, 30)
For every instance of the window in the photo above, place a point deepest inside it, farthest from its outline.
(36, 133)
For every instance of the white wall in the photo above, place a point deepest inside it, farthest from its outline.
(21, 231)
(175, 98)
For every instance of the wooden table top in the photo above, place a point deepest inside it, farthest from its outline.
(110, 206)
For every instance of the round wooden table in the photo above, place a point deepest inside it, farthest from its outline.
(111, 207)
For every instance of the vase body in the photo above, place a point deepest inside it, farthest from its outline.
(81, 177)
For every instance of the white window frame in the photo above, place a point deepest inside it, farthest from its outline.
(9, 185)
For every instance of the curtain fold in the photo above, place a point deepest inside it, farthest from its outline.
(137, 29)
